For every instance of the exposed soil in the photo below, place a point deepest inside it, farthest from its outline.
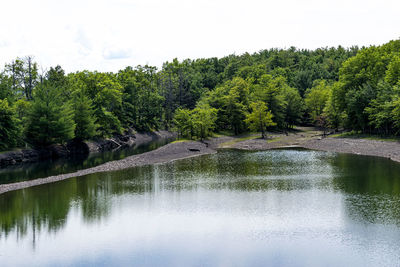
(297, 137)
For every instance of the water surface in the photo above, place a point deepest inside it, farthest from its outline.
(273, 208)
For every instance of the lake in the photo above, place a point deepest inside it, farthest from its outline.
(275, 208)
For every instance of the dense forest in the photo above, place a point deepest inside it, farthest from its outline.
(355, 89)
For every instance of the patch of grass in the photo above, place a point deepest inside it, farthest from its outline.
(223, 133)
(336, 135)
(239, 139)
(181, 141)
(359, 135)
(272, 140)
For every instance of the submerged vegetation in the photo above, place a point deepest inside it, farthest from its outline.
(356, 89)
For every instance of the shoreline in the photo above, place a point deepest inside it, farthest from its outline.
(164, 154)
(311, 138)
(21, 156)
(187, 149)
(364, 147)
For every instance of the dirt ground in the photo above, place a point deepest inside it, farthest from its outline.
(297, 137)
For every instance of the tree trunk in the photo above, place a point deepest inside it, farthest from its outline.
(263, 136)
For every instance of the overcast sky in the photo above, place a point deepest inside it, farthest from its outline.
(109, 35)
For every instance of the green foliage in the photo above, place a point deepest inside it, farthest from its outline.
(236, 104)
(260, 118)
(22, 108)
(56, 78)
(357, 100)
(380, 109)
(184, 122)
(366, 103)
(396, 113)
(24, 76)
(316, 98)
(109, 123)
(334, 116)
(6, 87)
(9, 127)
(199, 122)
(271, 90)
(84, 118)
(392, 76)
(203, 118)
(141, 102)
(352, 88)
(105, 93)
(50, 120)
(294, 106)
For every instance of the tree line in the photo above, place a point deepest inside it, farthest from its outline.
(353, 88)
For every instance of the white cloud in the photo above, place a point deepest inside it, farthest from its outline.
(83, 40)
(116, 53)
(81, 34)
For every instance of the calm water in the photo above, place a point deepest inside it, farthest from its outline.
(274, 208)
(45, 168)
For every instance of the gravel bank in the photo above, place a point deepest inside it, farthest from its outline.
(386, 149)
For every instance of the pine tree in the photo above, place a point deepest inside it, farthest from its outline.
(50, 121)
(9, 131)
(84, 117)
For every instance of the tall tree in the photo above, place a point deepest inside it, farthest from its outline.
(184, 122)
(270, 90)
(260, 118)
(105, 92)
(50, 120)
(9, 130)
(236, 104)
(24, 75)
(316, 98)
(84, 118)
(203, 119)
